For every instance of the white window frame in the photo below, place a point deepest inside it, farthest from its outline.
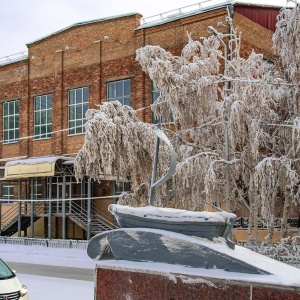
(119, 91)
(11, 121)
(37, 189)
(78, 106)
(8, 194)
(43, 116)
(120, 188)
(155, 94)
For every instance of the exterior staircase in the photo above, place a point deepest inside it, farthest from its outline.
(99, 219)
(9, 221)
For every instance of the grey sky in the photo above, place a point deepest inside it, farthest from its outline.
(23, 21)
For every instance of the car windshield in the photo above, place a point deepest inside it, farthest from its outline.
(5, 271)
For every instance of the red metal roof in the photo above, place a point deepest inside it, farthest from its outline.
(264, 16)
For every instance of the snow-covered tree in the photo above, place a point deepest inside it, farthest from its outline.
(235, 126)
(117, 144)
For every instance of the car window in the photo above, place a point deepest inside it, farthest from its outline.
(5, 271)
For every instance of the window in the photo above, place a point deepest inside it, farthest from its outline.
(155, 94)
(37, 189)
(119, 90)
(8, 194)
(121, 187)
(78, 105)
(11, 121)
(43, 116)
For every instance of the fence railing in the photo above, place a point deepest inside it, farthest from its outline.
(243, 222)
(13, 57)
(183, 10)
(51, 243)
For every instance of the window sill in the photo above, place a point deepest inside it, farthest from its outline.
(75, 134)
(9, 143)
(42, 139)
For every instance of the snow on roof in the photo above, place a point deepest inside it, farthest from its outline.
(179, 14)
(247, 2)
(13, 58)
(163, 18)
(13, 61)
(36, 160)
(191, 10)
(83, 23)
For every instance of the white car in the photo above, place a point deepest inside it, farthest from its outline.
(10, 286)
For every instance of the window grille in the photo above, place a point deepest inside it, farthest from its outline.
(7, 194)
(11, 121)
(120, 91)
(42, 116)
(78, 106)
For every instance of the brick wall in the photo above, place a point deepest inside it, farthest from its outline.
(80, 56)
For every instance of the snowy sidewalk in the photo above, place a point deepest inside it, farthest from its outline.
(45, 287)
(46, 256)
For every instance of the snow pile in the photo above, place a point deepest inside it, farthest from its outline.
(287, 251)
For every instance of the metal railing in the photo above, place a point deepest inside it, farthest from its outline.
(182, 11)
(13, 57)
(12, 214)
(98, 221)
(51, 243)
(243, 222)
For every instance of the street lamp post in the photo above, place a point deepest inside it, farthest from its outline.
(227, 174)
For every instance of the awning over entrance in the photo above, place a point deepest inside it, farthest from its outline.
(33, 167)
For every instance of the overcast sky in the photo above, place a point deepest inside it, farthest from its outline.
(23, 21)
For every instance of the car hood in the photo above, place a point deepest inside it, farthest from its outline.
(10, 285)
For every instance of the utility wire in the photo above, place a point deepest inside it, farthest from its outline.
(57, 199)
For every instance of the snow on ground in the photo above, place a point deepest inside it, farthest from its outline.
(49, 288)
(46, 256)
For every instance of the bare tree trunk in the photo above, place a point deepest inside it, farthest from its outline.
(253, 196)
(285, 215)
(253, 215)
(271, 230)
(271, 222)
(250, 223)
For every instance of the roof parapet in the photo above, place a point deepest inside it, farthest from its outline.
(9, 59)
(179, 12)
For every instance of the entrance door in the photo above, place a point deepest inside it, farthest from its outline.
(61, 197)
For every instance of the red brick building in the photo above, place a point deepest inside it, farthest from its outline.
(44, 96)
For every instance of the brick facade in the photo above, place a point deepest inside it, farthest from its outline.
(81, 55)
